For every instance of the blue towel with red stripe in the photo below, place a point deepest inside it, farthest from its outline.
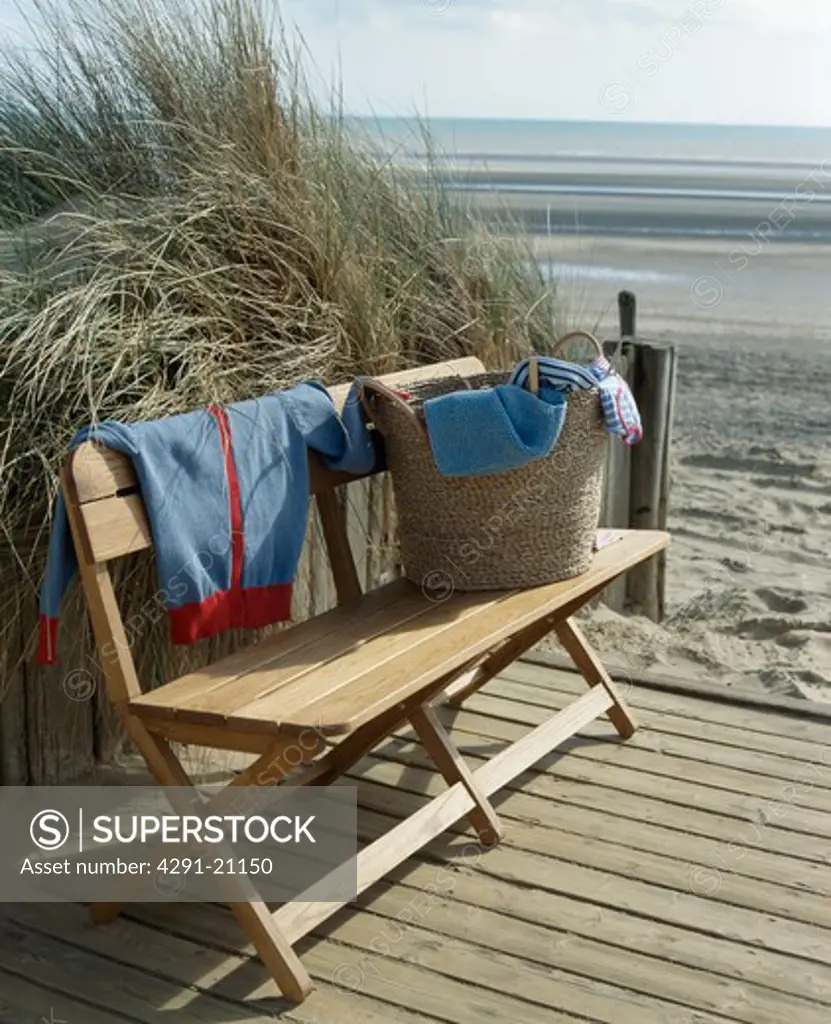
(227, 492)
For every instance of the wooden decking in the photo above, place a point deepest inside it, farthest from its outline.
(683, 877)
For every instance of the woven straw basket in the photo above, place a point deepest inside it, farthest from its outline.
(522, 528)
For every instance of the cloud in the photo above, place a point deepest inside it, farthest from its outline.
(757, 61)
(777, 17)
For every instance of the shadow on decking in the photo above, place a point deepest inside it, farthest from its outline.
(680, 877)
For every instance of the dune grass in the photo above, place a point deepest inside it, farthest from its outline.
(183, 223)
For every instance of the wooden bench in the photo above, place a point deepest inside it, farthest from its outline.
(326, 691)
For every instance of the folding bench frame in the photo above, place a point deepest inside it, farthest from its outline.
(94, 477)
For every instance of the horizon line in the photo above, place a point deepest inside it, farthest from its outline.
(589, 120)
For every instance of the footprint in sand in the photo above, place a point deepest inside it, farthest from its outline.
(780, 681)
(736, 463)
(763, 627)
(782, 602)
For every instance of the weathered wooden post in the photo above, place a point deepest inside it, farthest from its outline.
(638, 478)
(654, 390)
(627, 311)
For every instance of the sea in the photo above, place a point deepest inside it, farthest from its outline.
(624, 178)
(722, 234)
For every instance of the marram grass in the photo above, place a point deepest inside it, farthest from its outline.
(182, 223)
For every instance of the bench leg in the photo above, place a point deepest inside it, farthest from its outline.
(274, 949)
(103, 913)
(304, 914)
(351, 749)
(167, 768)
(590, 667)
(257, 922)
(468, 683)
(449, 761)
(504, 655)
(336, 762)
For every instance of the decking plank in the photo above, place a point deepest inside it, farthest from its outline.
(635, 976)
(196, 963)
(750, 815)
(664, 734)
(478, 887)
(109, 984)
(670, 869)
(740, 859)
(697, 688)
(534, 986)
(586, 912)
(759, 721)
(662, 720)
(398, 981)
(755, 925)
(25, 1002)
(646, 752)
(768, 813)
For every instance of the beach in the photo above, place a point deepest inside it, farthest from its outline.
(724, 235)
(748, 596)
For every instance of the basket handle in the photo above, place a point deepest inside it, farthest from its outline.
(372, 384)
(578, 334)
(534, 375)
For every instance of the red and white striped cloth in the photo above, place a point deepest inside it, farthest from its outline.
(620, 410)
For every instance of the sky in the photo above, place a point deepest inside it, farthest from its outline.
(705, 61)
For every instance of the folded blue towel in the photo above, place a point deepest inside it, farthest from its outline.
(476, 433)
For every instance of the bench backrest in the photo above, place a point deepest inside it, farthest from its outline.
(108, 520)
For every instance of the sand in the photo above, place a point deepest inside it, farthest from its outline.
(748, 598)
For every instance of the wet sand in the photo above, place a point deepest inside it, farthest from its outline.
(749, 574)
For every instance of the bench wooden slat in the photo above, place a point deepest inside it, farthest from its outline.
(116, 527)
(465, 366)
(388, 651)
(103, 473)
(293, 640)
(444, 649)
(316, 643)
(401, 615)
(349, 669)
